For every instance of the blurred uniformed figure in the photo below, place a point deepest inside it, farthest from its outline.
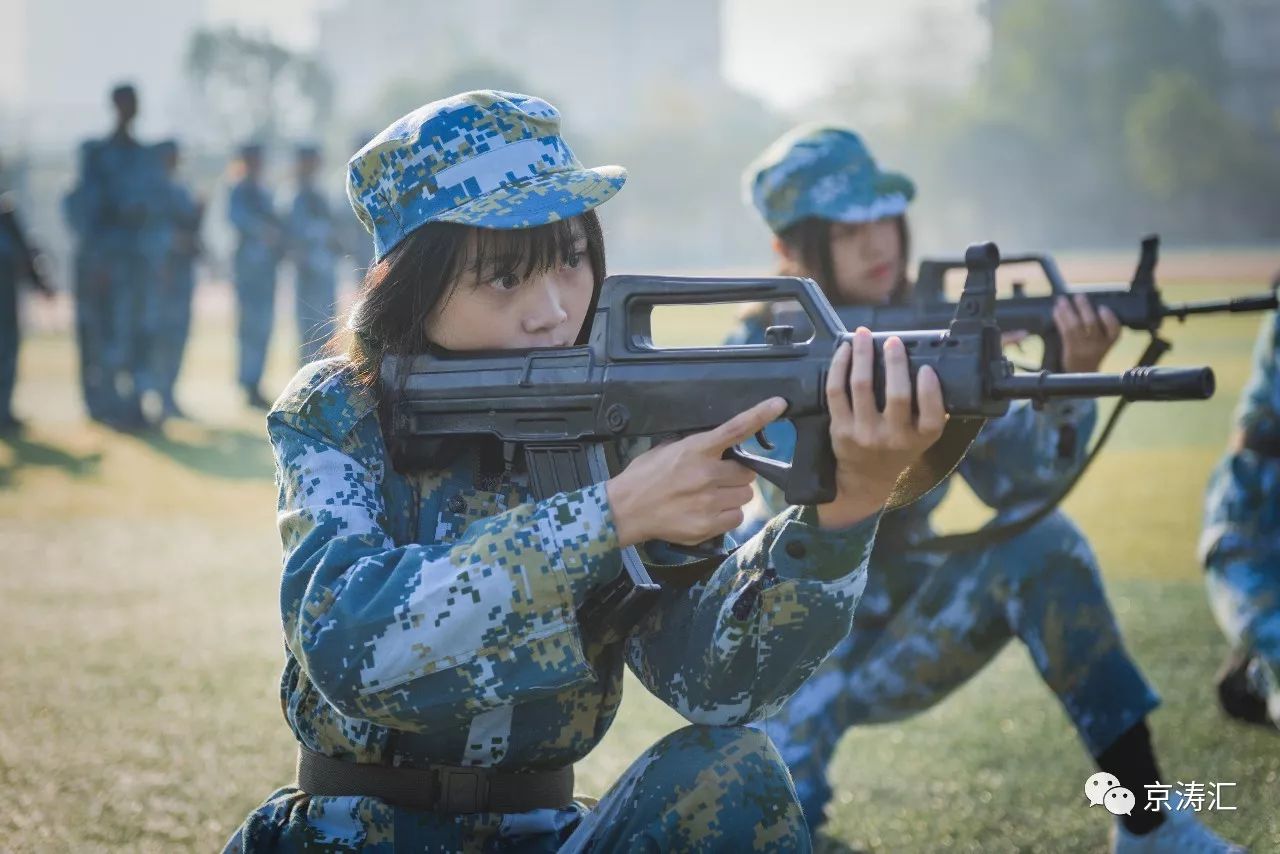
(18, 260)
(258, 252)
(117, 215)
(315, 244)
(1240, 545)
(173, 310)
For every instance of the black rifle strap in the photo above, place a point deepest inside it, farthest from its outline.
(999, 533)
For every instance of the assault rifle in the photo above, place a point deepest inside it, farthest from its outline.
(1138, 306)
(567, 407)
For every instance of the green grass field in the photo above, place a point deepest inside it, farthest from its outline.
(141, 637)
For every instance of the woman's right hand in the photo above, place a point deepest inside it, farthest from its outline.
(682, 492)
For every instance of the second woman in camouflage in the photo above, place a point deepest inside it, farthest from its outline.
(930, 621)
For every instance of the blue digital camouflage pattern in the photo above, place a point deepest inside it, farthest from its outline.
(258, 252)
(1240, 544)
(487, 158)
(928, 621)
(432, 618)
(118, 216)
(314, 245)
(823, 172)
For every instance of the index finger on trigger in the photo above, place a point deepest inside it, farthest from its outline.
(744, 425)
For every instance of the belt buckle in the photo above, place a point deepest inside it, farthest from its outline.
(462, 790)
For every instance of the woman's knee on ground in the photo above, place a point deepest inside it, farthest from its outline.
(716, 788)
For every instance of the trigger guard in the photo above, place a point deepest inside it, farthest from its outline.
(771, 470)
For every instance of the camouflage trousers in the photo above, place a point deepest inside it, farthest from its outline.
(256, 296)
(174, 326)
(114, 327)
(1041, 587)
(1243, 564)
(1244, 593)
(9, 338)
(315, 304)
(700, 788)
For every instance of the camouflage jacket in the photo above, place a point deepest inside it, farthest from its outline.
(115, 204)
(312, 232)
(1242, 506)
(431, 617)
(252, 213)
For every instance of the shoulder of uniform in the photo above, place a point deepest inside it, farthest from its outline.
(325, 397)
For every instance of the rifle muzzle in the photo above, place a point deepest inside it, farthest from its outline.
(1147, 383)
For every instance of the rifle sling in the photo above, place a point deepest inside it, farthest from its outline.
(993, 534)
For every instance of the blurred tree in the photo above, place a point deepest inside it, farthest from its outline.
(1186, 152)
(255, 88)
(1091, 122)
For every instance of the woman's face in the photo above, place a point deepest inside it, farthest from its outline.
(867, 261)
(491, 309)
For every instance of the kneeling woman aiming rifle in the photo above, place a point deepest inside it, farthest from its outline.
(436, 676)
(931, 620)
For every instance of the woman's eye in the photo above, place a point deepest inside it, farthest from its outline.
(573, 260)
(505, 282)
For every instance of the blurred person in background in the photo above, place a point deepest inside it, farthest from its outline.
(183, 216)
(258, 251)
(19, 260)
(1240, 544)
(117, 216)
(931, 620)
(315, 244)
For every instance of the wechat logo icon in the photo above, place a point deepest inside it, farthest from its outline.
(1105, 790)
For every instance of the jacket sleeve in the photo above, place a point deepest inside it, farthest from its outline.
(1027, 454)
(411, 636)
(735, 648)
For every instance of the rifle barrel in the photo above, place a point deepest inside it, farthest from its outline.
(1214, 306)
(1134, 384)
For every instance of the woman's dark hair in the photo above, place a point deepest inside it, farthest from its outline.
(399, 293)
(810, 239)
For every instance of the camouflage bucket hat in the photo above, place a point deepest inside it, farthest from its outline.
(487, 158)
(825, 172)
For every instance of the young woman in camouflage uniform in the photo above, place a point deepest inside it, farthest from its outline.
(430, 616)
(929, 621)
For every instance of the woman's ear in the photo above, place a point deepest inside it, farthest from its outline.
(781, 249)
(788, 264)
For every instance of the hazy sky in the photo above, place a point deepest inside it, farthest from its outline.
(781, 50)
(785, 51)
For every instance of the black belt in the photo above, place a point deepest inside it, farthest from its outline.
(439, 788)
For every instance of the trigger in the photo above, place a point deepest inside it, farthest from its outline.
(764, 442)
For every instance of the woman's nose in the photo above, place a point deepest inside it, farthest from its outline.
(547, 311)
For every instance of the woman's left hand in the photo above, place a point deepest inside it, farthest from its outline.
(873, 446)
(1087, 335)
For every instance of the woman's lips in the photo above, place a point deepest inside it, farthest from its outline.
(880, 271)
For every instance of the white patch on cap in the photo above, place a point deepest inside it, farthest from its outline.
(490, 168)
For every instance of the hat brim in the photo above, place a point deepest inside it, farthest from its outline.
(548, 198)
